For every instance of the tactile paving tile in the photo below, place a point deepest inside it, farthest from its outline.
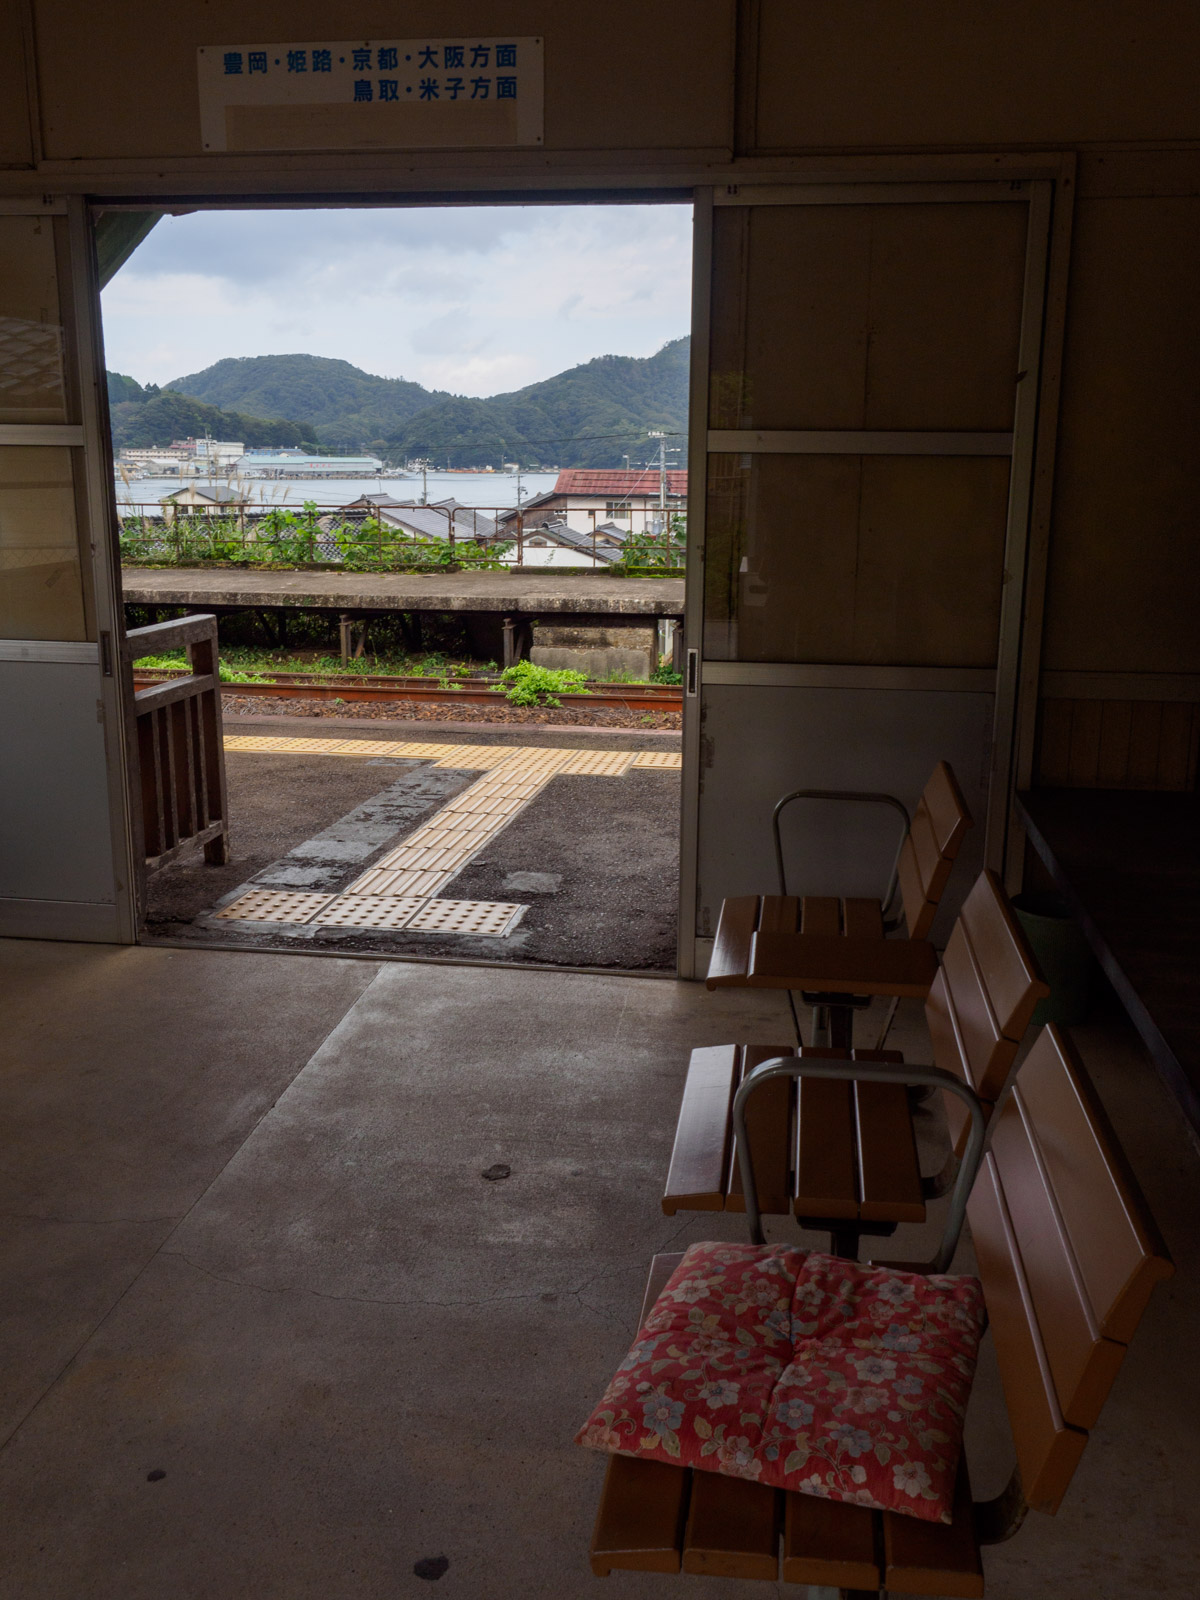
(369, 911)
(273, 905)
(475, 757)
(659, 760)
(484, 917)
(397, 881)
(598, 763)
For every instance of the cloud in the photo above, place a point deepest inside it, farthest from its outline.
(478, 300)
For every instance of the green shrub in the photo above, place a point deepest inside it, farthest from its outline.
(529, 685)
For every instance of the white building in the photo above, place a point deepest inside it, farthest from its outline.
(297, 464)
(217, 453)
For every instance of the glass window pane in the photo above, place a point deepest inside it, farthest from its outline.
(31, 352)
(864, 560)
(41, 585)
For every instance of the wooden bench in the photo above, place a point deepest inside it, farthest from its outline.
(1068, 1256)
(843, 1155)
(833, 950)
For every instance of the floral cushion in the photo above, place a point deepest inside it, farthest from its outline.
(803, 1371)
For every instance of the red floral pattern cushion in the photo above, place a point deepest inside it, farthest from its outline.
(802, 1371)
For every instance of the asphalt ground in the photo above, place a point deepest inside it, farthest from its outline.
(595, 859)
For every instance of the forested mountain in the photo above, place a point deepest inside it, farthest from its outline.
(589, 416)
(153, 416)
(348, 406)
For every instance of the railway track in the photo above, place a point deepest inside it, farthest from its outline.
(358, 686)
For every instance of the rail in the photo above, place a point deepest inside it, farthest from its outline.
(404, 538)
(180, 753)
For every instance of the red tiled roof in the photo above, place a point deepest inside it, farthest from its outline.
(618, 484)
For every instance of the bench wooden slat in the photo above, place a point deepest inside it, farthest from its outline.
(989, 1051)
(732, 1528)
(1119, 1250)
(928, 857)
(779, 913)
(699, 1166)
(948, 813)
(826, 1164)
(826, 1543)
(731, 948)
(1014, 982)
(889, 1169)
(1047, 1449)
(841, 966)
(1083, 1362)
(820, 915)
(640, 1522)
(918, 911)
(769, 1129)
(931, 1557)
(862, 919)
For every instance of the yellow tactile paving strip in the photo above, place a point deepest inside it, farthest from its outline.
(445, 843)
(396, 892)
(487, 918)
(659, 760)
(482, 757)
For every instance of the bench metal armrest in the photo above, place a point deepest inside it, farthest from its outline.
(864, 797)
(868, 1072)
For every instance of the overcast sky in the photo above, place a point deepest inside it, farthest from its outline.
(477, 300)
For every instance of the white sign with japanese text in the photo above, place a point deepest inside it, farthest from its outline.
(374, 94)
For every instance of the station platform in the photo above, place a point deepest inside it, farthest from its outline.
(581, 596)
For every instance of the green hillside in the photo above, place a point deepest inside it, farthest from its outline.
(153, 416)
(589, 416)
(348, 407)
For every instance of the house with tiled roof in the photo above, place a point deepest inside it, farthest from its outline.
(588, 497)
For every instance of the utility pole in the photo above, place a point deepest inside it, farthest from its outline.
(662, 479)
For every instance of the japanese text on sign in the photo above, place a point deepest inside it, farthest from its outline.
(392, 94)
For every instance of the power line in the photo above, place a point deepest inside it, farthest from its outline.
(596, 438)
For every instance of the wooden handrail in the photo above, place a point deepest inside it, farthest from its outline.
(180, 752)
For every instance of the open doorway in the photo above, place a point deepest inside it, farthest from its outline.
(427, 469)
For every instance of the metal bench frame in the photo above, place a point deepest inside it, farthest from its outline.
(917, 1077)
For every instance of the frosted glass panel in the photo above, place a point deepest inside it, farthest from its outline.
(31, 352)
(883, 316)
(870, 560)
(41, 585)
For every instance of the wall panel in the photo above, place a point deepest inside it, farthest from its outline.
(1123, 590)
(871, 73)
(1118, 744)
(120, 81)
(16, 149)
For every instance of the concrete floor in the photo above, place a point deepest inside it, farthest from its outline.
(271, 1334)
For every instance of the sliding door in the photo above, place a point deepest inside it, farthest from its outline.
(865, 393)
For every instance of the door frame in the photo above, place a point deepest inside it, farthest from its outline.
(88, 441)
(1049, 196)
(1022, 622)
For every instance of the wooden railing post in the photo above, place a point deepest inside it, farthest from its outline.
(204, 660)
(180, 748)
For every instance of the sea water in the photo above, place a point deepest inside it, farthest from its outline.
(489, 490)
